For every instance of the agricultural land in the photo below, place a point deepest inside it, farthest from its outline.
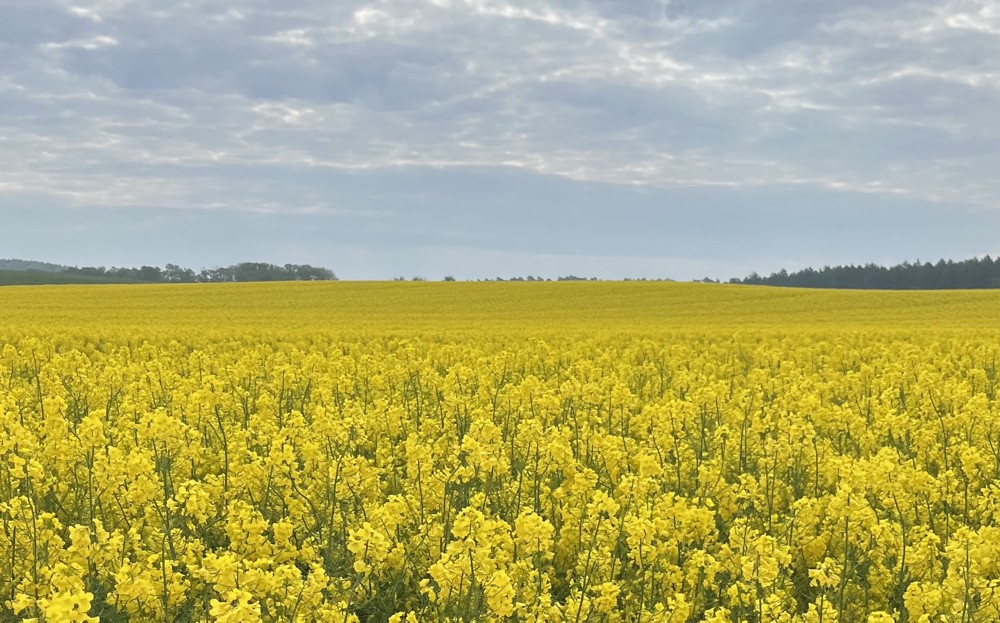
(565, 452)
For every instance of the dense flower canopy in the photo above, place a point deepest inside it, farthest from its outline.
(344, 474)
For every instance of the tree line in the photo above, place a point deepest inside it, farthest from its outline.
(976, 273)
(244, 271)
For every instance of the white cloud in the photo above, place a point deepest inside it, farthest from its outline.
(93, 43)
(86, 13)
(293, 37)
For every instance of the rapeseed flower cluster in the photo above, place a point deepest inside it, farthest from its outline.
(699, 476)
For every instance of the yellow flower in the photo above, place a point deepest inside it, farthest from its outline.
(237, 607)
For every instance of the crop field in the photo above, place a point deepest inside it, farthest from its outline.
(525, 452)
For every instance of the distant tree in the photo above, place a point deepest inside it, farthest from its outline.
(150, 273)
(975, 273)
(172, 273)
(92, 271)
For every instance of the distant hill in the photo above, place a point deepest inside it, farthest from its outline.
(46, 277)
(11, 264)
(28, 272)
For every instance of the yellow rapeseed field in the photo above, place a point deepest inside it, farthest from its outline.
(564, 452)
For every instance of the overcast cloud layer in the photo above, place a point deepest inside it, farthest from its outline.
(673, 138)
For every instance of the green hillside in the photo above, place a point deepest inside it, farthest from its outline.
(15, 264)
(44, 277)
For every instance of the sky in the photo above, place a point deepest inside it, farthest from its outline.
(481, 138)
